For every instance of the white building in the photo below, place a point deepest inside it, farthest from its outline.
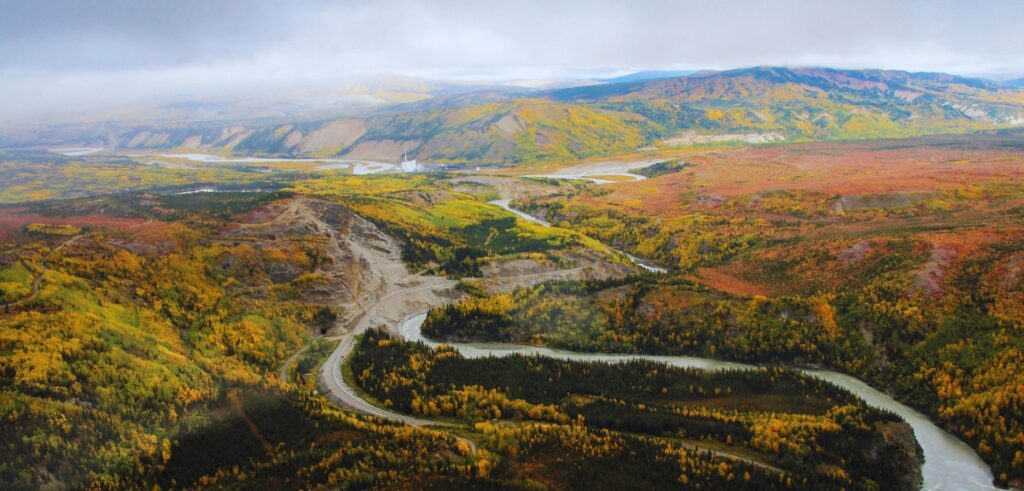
(409, 165)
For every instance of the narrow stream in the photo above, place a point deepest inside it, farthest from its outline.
(949, 463)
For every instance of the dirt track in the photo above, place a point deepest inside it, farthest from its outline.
(39, 277)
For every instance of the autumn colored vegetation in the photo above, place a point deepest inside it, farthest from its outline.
(140, 344)
(143, 330)
(896, 261)
(440, 227)
(142, 335)
(791, 430)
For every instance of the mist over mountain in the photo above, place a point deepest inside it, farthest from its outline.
(647, 75)
(479, 123)
(62, 57)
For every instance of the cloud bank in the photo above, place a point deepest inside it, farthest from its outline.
(77, 53)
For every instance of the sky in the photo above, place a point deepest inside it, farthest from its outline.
(67, 55)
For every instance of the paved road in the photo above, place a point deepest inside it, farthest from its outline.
(330, 373)
(957, 463)
(339, 391)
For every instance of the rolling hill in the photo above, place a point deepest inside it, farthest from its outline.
(493, 130)
(510, 126)
(815, 103)
(516, 131)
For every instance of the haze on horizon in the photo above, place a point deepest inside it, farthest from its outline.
(66, 55)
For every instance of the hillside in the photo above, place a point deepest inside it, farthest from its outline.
(755, 105)
(518, 131)
(817, 103)
(462, 129)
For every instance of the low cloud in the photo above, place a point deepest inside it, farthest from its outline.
(79, 54)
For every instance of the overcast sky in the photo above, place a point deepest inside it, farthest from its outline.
(76, 53)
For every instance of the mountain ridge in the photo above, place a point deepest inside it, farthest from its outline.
(645, 75)
(521, 125)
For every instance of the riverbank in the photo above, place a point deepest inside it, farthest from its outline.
(950, 464)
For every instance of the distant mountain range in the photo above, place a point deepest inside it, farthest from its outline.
(627, 113)
(1017, 83)
(647, 75)
(818, 103)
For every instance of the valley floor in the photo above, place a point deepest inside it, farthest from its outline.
(230, 338)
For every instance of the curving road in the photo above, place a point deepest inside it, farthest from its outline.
(949, 463)
(339, 391)
(39, 277)
(335, 386)
(287, 365)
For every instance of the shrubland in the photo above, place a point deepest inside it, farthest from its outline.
(895, 261)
